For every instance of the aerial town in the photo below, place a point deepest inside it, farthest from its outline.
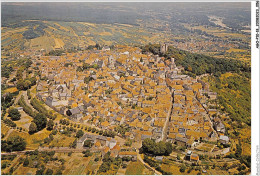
(157, 96)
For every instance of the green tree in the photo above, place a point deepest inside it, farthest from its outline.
(26, 162)
(14, 114)
(50, 125)
(182, 168)
(13, 143)
(27, 84)
(40, 120)
(74, 144)
(169, 148)
(88, 143)
(79, 134)
(20, 84)
(49, 172)
(32, 128)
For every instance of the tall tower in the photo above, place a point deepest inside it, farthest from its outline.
(164, 48)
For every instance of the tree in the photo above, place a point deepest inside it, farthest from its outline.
(168, 150)
(160, 148)
(13, 143)
(26, 162)
(79, 134)
(74, 144)
(50, 125)
(27, 84)
(87, 153)
(20, 84)
(14, 114)
(32, 128)
(40, 120)
(88, 143)
(183, 168)
(29, 94)
(49, 172)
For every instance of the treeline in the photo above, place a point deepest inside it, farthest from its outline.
(26, 108)
(107, 133)
(9, 123)
(40, 108)
(198, 64)
(39, 119)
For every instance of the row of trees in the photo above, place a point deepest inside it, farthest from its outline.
(40, 108)
(27, 109)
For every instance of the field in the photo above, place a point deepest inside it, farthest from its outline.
(81, 34)
(135, 168)
(34, 140)
(205, 147)
(76, 164)
(61, 141)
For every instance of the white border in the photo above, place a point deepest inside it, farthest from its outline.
(254, 92)
(254, 65)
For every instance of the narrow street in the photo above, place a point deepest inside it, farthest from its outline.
(166, 124)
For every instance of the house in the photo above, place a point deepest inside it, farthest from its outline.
(111, 143)
(188, 155)
(50, 101)
(75, 113)
(105, 48)
(19, 108)
(219, 127)
(159, 158)
(115, 150)
(131, 154)
(146, 135)
(194, 157)
(102, 140)
(181, 141)
(104, 125)
(224, 139)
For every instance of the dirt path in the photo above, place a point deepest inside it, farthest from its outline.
(147, 165)
(17, 98)
(8, 133)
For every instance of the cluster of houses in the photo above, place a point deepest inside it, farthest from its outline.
(105, 144)
(125, 87)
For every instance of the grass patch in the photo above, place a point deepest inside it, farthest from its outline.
(135, 168)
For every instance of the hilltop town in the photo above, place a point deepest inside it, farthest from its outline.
(116, 102)
(146, 94)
